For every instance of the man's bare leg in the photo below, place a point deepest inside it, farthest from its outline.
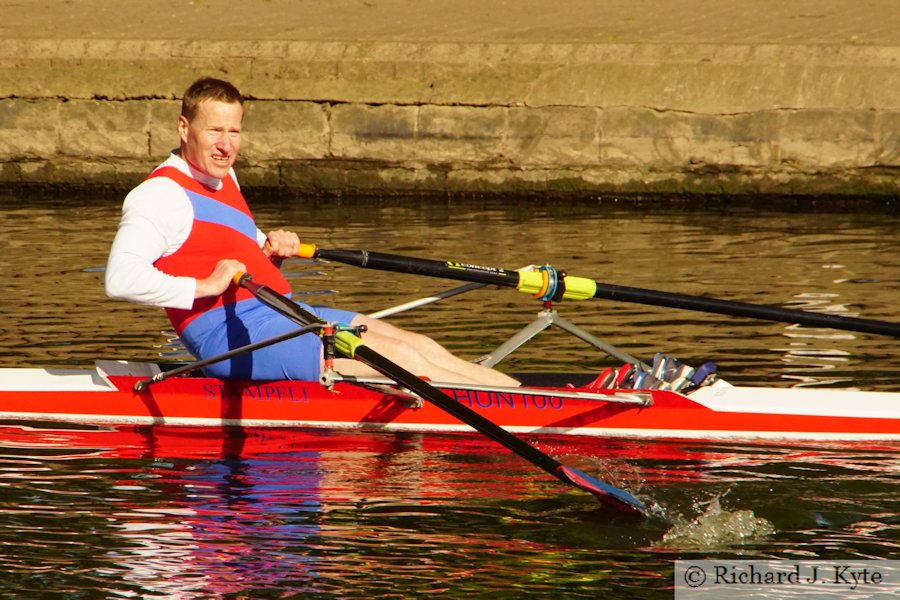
(420, 355)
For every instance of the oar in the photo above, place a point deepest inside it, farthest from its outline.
(352, 346)
(549, 284)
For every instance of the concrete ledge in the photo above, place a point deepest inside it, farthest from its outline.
(462, 117)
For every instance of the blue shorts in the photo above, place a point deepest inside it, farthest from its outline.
(249, 321)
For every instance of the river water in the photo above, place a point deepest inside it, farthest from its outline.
(175, 513)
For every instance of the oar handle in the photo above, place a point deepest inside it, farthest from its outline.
(308, 251)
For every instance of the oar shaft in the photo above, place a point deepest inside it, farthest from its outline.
(347, 345)
(548, 284)
(456, 409)
(418, 266)
(742, 309)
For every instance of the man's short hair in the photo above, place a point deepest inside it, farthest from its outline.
(208, 88)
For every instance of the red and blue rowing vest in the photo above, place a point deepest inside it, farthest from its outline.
(223, 228)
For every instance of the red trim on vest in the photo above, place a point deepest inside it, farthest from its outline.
(208, 243)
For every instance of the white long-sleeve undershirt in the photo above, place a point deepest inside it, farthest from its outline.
(157, 218)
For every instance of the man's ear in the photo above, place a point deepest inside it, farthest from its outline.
(183, 125)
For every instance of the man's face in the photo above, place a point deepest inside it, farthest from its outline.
(210, 142)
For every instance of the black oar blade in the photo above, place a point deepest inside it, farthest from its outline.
(605, 493)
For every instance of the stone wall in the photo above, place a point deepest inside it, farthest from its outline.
(329, 117)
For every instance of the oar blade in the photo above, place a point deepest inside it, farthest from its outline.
(604, 492)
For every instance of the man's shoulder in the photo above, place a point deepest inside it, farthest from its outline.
(154, 187)
(157, 198)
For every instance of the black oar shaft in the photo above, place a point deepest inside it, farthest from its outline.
(421, 266)
(581, 288)
(408, 380)
(457, 409)
(742, 309)
(603, 491)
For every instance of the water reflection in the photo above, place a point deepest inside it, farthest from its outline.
(808, 359)
(184, 513)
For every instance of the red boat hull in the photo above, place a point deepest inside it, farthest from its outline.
(206, 402)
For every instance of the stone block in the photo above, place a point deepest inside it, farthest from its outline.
(460, 133)
(553, 135)
(103, 129)
(825, 138)
(373, 132)
(28, 128)
(266, 174)
(663, 139)
(285, 130)
(887, 141)
(163, 127)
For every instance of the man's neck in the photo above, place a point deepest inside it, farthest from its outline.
(201, 176)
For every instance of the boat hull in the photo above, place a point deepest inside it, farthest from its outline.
(716, 412)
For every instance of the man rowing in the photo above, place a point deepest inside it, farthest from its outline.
(186, 231)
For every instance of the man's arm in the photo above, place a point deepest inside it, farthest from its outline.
(156, 220)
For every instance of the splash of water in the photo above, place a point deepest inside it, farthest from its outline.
(718, 527)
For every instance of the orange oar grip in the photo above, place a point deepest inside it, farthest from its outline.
(307, 251)
(239, 277)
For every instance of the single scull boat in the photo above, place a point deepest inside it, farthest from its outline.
(105, 395)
